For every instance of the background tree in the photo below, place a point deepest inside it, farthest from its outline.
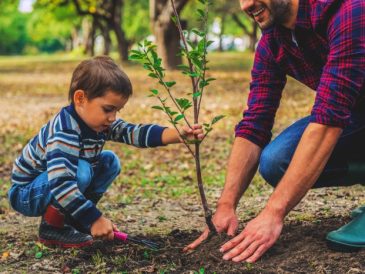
(12, 28)
(167, 38)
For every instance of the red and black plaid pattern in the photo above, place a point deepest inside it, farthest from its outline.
(325, 51)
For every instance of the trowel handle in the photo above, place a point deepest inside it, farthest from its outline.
(120, 235)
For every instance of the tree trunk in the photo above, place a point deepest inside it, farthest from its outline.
(89, 43)
(221, 33)
(164, 29)
(253, 37)
(168, 44)
(115, 25)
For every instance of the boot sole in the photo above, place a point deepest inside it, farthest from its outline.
(336, 246)
(51, 243)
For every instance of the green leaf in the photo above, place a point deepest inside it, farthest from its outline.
(201, 12)
(217, 118)
(170, 84)
(154, 91)
(197, 94)
(158, 107)
(38, 255)
(173, 18)
(153, 75)
(135, 57)
(179, 117)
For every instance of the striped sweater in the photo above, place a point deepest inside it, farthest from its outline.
(61, 143)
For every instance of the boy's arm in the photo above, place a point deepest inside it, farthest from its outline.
(62, 155)
(148, 135)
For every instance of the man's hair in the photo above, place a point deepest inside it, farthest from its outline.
(98, 75)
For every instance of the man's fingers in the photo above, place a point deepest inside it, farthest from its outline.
(247, 251)
(198, 241)
(238, 249)
(232, 228)
(258, 253)
(232, 243)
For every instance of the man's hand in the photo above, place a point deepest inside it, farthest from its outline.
(103, 229)
(224, 220)
(257, 237)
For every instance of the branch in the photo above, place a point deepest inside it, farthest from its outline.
(178, 24)
(240, 23)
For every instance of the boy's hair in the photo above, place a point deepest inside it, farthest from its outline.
(98, 75)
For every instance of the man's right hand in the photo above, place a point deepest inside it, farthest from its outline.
(224, 220)
(103, 229)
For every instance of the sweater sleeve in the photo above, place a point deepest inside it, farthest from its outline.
(143, 136)
(62, 153)
(266, 87)
(343, 76)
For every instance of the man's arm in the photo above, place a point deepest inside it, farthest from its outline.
(311, 155)
(241, 168)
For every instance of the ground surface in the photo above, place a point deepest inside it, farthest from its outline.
(156, 195)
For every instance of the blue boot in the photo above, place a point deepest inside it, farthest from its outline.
(357, 211)
(350, 236)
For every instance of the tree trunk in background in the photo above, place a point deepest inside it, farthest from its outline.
(164, 29)
(115, 23)
(223, 23)
(252, 35)
(89, 30)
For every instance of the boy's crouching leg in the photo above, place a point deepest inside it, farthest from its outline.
(53, 231)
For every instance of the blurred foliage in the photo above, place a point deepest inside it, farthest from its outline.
(13, 31)
(53, 24)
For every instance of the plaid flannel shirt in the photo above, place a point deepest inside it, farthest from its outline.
(325, 51)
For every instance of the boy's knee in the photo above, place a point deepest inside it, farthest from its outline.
(111, 162)
(84, 175)
(272, 166)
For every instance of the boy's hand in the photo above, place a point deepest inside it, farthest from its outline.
(103, 229)
(191, 133)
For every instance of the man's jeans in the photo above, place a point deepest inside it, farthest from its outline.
(33, 199)
(345, 167)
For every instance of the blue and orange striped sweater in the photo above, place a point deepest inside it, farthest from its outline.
(58, 147)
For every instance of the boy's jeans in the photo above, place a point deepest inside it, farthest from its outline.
(33, 199)
(345, 167)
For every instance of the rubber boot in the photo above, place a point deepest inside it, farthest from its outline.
(54, 232)
(357, 211)
(350, 237)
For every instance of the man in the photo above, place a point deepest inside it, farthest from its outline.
(321, 44)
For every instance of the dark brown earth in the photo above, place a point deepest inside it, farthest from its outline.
(301, 249)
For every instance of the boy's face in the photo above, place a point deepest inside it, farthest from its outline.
(98, 113)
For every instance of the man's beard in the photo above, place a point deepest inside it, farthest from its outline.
(280, 12)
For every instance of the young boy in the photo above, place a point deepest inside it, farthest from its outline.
(63, 171)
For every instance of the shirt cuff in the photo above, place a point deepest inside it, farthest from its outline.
(155, 138)
(88, 216)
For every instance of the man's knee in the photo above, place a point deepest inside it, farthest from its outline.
(272, 166)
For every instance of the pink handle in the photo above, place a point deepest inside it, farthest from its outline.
(120, 235)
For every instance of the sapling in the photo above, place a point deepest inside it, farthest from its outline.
(196, 69)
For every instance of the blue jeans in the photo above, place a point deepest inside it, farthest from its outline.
(33, 199)
(345, 167)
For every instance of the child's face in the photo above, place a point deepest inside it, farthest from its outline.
(99, 113)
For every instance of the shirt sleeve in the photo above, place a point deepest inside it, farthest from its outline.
(343, 76)
(62, 152)
(266, 87)
(143, 136)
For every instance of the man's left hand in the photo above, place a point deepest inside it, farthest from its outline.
(257, 237)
